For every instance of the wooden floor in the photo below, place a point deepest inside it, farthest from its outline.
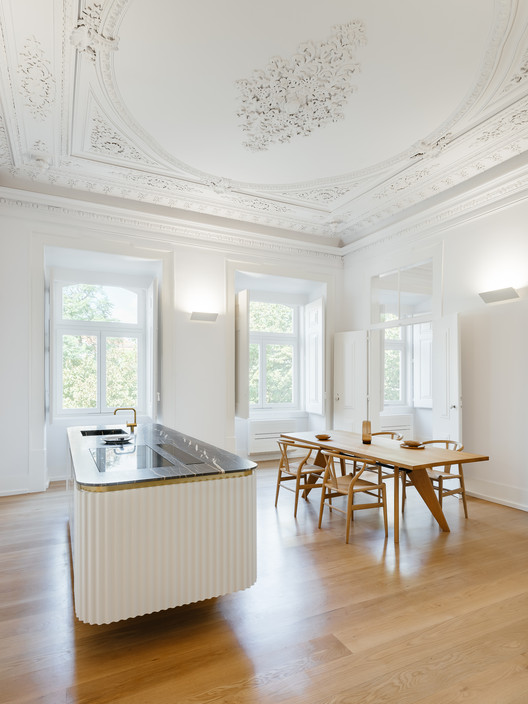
(441, 619)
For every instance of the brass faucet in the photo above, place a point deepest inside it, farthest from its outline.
(129, 425)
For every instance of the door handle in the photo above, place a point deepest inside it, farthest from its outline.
(337, 397)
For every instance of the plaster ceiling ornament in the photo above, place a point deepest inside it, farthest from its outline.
(87, 37)
(320, 195)
(5, 152)
(37, 84)
(263, 205)
(157, 182)
(521, 74)
(221, 186)
(106, 140)
(295, 96)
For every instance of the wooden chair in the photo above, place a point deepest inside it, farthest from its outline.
(301, 470)
(384, 472)
(349, 485)
(440, 475)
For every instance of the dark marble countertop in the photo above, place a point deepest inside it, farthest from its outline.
(153, 453)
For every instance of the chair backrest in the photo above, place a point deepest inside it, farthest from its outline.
(448, 445)
(330, 475)
(286, 445)
(392, 433)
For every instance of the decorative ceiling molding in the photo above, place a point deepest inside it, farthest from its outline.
(162, 229)
(478, 203)
(295, 96)
(520, 75)
(37, 84)
(319, 195)
(5, 151)
(107, 141)
(87, 37)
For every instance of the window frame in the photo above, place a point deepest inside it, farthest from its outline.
(262, 339)
(101, 330)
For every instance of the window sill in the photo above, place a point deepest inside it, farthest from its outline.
(276, 415)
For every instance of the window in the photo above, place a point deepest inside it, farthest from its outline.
(273, 355)
(101, 347)
(395, 366)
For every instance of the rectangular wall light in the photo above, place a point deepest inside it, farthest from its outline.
(204, 317)
(501, 294)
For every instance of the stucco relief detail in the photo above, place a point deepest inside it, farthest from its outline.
(520, 76)
(504, 126)
(262, 205)
(295, 96)
(325, 195)
(37, 84)
(104, 139)
(87, 36)
(5, 158)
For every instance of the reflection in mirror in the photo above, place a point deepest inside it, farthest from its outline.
(405, 293)
(416, 290)
(384, 297)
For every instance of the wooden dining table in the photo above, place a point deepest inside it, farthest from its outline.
(390, 453)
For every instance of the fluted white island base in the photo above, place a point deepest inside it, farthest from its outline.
(140, 550)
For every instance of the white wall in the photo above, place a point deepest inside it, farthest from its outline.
(15, 319)
(483, 254)
(197, 365)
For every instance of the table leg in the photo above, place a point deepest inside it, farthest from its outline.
(312, 478)
(424, 486)
(396, 505)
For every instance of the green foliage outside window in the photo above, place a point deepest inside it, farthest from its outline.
(86, 302)
(271, 320)
(392, 375)
(79, 371)
(270, 317)
(279, 374)
(121, 371)
(254, 374)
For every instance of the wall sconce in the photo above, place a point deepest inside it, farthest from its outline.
(500, 294)
(204, 317)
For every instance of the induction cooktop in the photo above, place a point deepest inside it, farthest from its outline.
(128, 457)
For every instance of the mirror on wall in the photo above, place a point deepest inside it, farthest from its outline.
(404, 293)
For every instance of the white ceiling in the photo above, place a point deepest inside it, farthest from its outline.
(312, 122)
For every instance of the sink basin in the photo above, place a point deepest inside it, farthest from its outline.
(103, 431)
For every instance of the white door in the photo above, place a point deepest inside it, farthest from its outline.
(447, 411)
(350, 380)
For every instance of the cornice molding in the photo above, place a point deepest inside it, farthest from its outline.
(162, 228)
(477, 203)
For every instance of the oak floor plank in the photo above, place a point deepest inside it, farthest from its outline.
(440, 618)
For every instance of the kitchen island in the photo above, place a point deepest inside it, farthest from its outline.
(158, 519)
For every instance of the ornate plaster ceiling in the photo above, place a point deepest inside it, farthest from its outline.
(317, 122)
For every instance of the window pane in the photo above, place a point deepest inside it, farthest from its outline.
(254, 374)
(393, 360)
(121, 371)
(79, 371)
(279, 374)
(270, 317)
(416, 286)
(384, 297)
(100, 303)
(393, 333)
